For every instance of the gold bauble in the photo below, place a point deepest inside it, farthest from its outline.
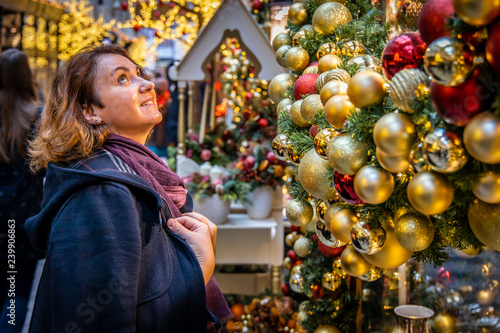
(297, 14)
(404, 87)
(484, 220)
(302, 247)
(296, 59)
(353, 262)
(332, 75)
(311, 70)
(279, 145)
(341, 224)
(366, 88)
(347, 155)
(328, 62)
(284, 106)
(487, 188)
(394, 164)
(373, 274)
(477, 12)
(305, 33)
(292, 156)
(328, 16)
(414, 232)
(281, 40)
(353, 48)
(392, 254)
(373, 185)
(331, 281)
(482, 138)
(291, 238)
(394, 134)
(327, 329)
(430, 192)
(486, 297)
(445, 323)
(366, 62)
(299, 212)
(296, 116)
(471, 251)
(313, 175)
(327, 48)
(488, 270)
(323, 139)
(337, 109)
(310, 106)
(330, 212)
(280, 87)
(332, 88)
(321, 208)
(280, 54)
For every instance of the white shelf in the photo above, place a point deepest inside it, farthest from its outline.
(242, 221)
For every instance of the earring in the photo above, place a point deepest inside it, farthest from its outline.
(97, 120)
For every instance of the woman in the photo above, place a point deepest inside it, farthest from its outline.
(123, 251)
(20, 190)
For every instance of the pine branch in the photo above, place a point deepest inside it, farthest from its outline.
(301, 142)
(321, 121)
(297, 191)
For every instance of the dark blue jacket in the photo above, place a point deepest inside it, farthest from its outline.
(112, 265)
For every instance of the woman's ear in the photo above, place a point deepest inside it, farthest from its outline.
(90, 115)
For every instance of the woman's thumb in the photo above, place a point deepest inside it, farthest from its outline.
(175, 226)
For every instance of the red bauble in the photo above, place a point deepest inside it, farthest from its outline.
(314, 130)
(137, 27)
(330, 252)
(285, 289)
(257, 4)
(344, 185)
(271, 158)
(404, 51)
(205, 154)
(292, 255)
(432, 19)
(250, 161)
(263, 122)
(157, 14)
(493, 47)
(305, 85)
(124, 5)
(318, 291)
(295, 228)
(457, 105)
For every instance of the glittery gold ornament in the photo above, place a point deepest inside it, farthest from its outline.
(313, 171)
(310, 106)
(443, 151)
(327, 48)
(366, 62)
(332, 88)
(279, 87)
(331, 281)
(278, 146)
(366, 88)
(302, 247)
(337, 109)
(327, 329)
(323, 139)
(328, 62)
(296, 58)
(341, 224)
(297, 14)
(353, 48)
(404, 87)
(299, 212)
(449, 61)
(311, 70)
(414, 232)
(330, 212)
(284, 106)
(430, 192)
(328, 16)
(367, 238)
(445, 323)
(484, 220)
(373, 274)
(394, 164)
(392, 255)
(373, 185)
(332, 75)
(353, 262)
(280, 54)
(394, 134)
(280, 40)
(292, 156)
(487, 188)
(482, 138)
(347, 155)
(475, 12)
(291, 238)
(296, 116)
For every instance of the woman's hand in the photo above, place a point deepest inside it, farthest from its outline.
(197, 234)
(211, 226)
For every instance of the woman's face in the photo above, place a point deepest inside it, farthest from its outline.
(129, 100)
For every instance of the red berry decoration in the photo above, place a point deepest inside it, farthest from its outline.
(457, 105)
(205, 155)
(257, 5)
(344, 185)
(404, 51)
(305, 85)
(432, 19)
(263, 122)
(157, 14)
(124, 5)
(493, 47)
(330, 252)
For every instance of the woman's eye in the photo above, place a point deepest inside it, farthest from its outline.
(123, 78)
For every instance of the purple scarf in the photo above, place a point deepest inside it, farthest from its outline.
(171, 187)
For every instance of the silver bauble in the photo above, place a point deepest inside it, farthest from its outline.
(444, 151)
(367, 239)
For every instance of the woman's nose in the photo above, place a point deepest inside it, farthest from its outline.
(147, 85)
